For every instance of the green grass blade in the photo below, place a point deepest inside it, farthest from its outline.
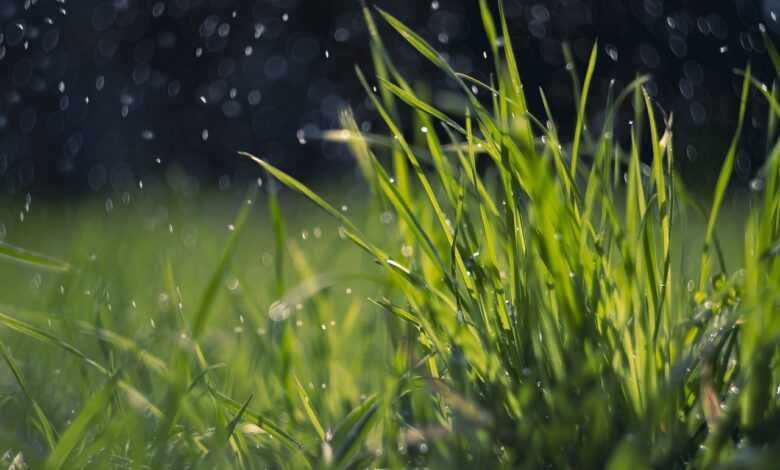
(209, 296)
(582, 106)
(46, 427)
(77, 430)
(31, 258)
(237, 418)
(306, 401)
(723, 180)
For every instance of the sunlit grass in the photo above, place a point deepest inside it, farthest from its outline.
(570, 306)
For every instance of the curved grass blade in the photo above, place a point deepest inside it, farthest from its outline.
(351, 432)
(41, 335)
(46, 427)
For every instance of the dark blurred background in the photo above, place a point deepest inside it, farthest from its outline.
(102, 96)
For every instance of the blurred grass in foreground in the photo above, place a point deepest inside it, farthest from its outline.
(567, 307)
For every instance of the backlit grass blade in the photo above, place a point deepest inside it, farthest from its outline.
(296, 185)
(44, 336)
(237, 418)
(20, 255)
(414, 40)
(278, 225)
(723, 181)
(306, 401)
(209, 296)
(415, 102)
(80, 426)
(45, 425)
(350, 434)
(578, 127)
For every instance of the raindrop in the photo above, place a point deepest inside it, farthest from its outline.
(691, 152)
(612, 52)
(327, 54)
(285, 17)
(100, 82)
(698, 113)
(147, 134)
(50, 40)
(279, 311)
(248, 51)
(341, 35)
(174, 88)
(254, 97)
(259, 30)
(686, 88)
(158, 9)
(231, 108)
(434, 5)
(204, 135)
(678, 45)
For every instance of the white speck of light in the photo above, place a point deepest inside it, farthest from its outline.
(259, 30)
(204, 135)
(327, 54)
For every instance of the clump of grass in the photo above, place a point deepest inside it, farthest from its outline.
(542, 313)
(554, 323)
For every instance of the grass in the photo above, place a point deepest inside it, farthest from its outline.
(569, 307)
